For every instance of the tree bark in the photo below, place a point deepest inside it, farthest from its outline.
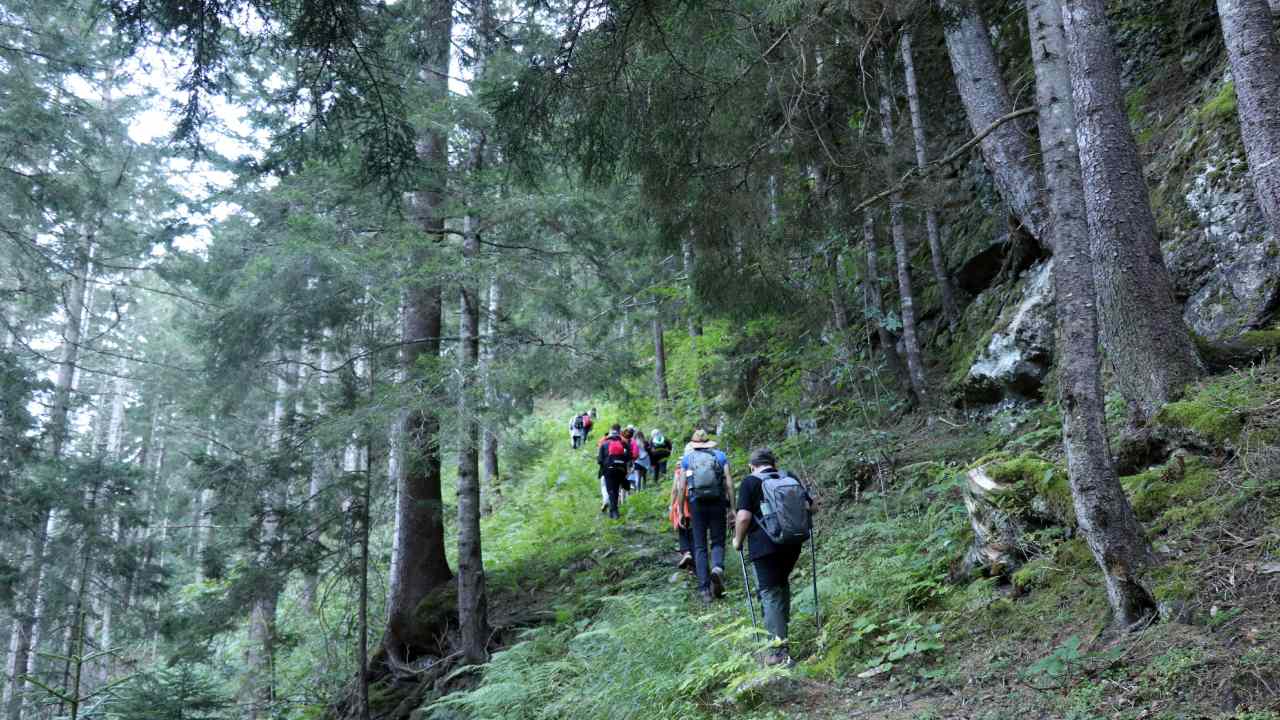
(258, 687)
(660, 360)
(1006, 151)
(1106, 519)
(26, 625)
(695, 327)
(915, 365)
(936, 254)
(873, 298)
(420, 565)
(1255, 65)
(1142, 327)
(473, 617)
(490, 480)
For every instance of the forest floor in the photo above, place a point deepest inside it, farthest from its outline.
(601, 625)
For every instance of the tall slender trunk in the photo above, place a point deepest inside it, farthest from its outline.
(873, 298)
(1105, 516)
(936, 254)
(1006, 151)
(420, 563)
(1142, 327)
(490, 480)
(695, 328)
(362, 647)
(473, 617)
(320, 469)
(1255, 64)
(258, 689)
(915, 364)
(27, 622)
(108, 598)
(660, 360)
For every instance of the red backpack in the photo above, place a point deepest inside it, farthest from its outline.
(616, 451)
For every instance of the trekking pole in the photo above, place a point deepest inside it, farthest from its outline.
(746, 581)
(813, 556)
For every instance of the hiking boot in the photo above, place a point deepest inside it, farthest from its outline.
(686, 561)
(776, 657)
(717, 582)
(706, 597)
(604, 507)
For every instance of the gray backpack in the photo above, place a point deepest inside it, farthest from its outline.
(784, 509)
(706, 479)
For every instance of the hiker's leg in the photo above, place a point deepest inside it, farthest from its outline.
(612, 483)
(774, 598)
(700, 527)
(717, 521)
(685, 535)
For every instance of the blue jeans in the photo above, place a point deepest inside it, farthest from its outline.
(708, 519)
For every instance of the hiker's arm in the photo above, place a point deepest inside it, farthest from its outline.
(728, 488)
(741, 525)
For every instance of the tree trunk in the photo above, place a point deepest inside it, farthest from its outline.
(1102, 509)
(873, 298)
(915, 365)
(26, 625)
(660, 360)
(472, 599)
(1255, 64)
(940, 275)
(1142, 327)
(258, 688)
(491, 481)
(695, 328)
(420, 560)
(1006, 151)
(23, 641)
(319, 471)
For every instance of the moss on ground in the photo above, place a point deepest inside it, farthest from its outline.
(1177, 483)
(1217, 408)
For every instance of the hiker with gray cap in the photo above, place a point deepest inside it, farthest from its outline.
(775, 511)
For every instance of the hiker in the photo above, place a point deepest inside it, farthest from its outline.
(613, 459)
(659, 452)
(642, 463)
(710, 490)
(630, 481)
(681, 518)
(774, 511)
(576, 431)
(587, 422)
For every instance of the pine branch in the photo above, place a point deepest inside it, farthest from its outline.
(922, 172)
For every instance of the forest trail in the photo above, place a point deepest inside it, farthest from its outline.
(900, 641)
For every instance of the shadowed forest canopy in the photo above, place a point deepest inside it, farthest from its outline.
(302, 302)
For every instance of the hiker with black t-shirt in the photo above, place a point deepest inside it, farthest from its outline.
(773, 560)
(705, 471)
(613, 458)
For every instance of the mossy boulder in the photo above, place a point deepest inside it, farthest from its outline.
(1013, 359)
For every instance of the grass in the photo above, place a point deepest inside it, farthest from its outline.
(618, 639)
